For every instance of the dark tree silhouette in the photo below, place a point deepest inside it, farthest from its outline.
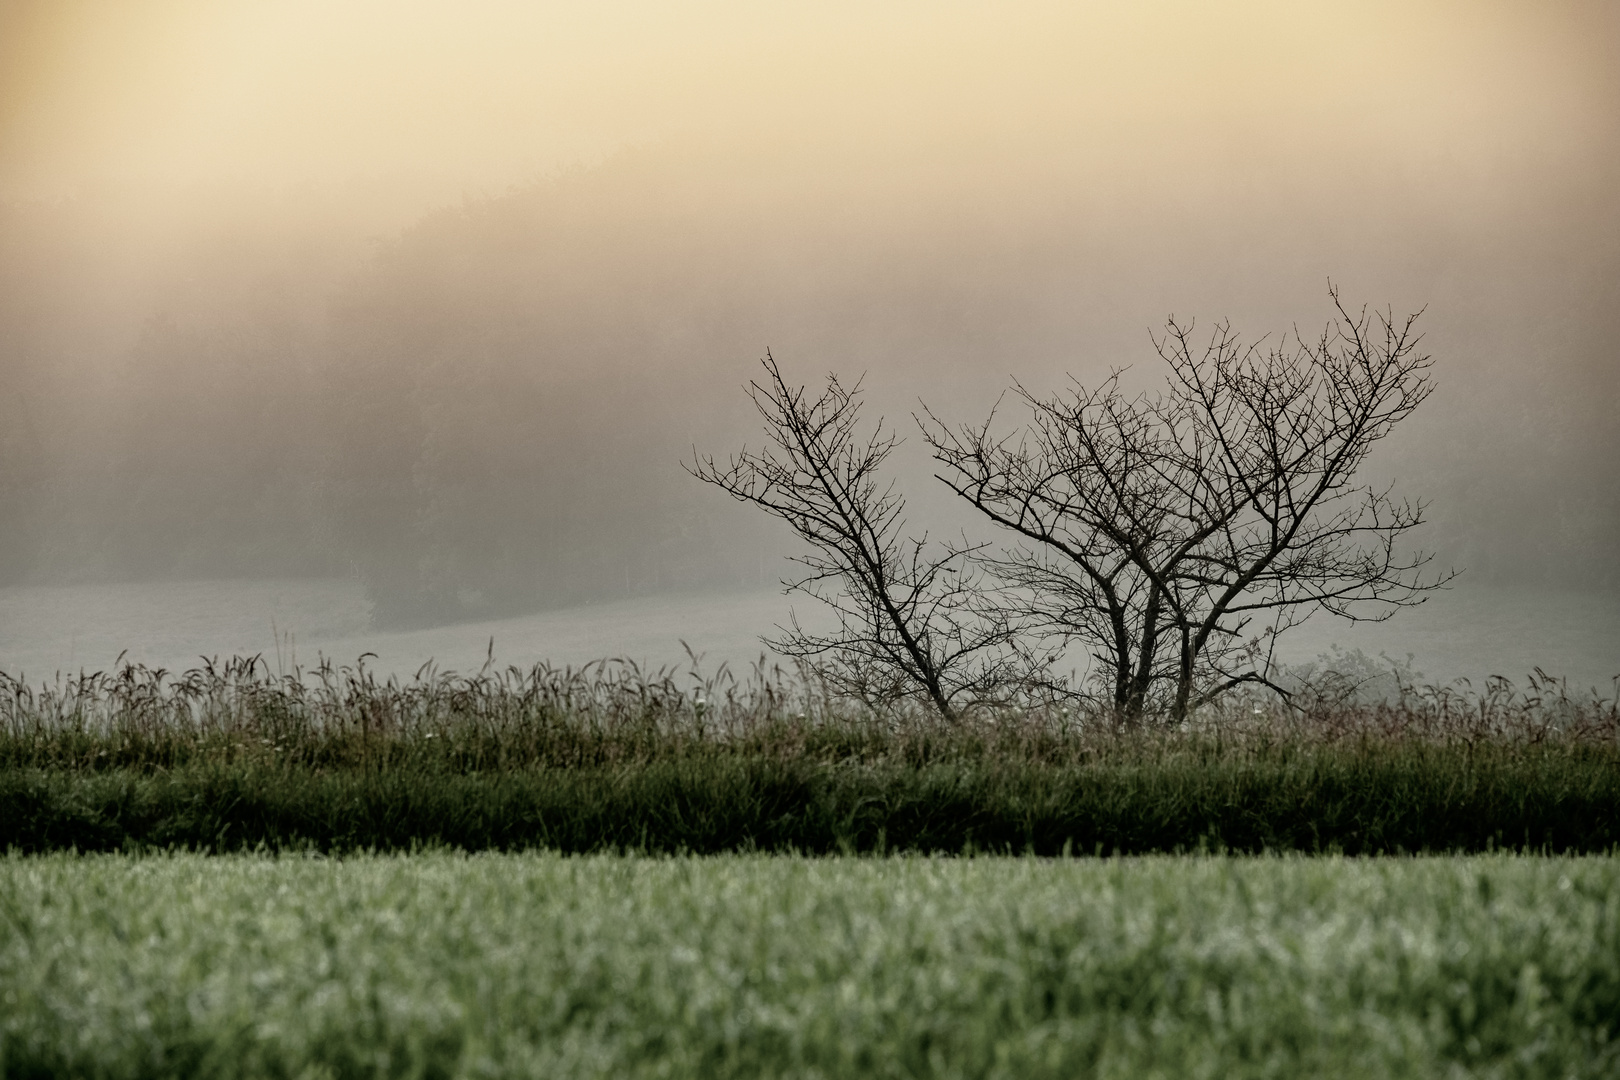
(1175, 535)
(913, 617)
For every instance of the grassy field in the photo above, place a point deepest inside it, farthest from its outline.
(1355, 799)
(156, 962)
(232, 759)
(543, 965)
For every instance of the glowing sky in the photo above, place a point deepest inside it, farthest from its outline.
(945, 195)
(984, 100)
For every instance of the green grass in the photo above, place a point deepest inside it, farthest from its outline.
(1356, 798)
(228, 758)
(548, 966)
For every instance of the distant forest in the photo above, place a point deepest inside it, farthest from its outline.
(486, 412)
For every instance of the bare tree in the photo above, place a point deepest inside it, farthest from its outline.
(1177, 534)
(912, 618)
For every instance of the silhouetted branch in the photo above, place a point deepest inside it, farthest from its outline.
(913, 618)
(1177, 534)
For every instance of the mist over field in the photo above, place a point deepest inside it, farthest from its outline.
(439, 297)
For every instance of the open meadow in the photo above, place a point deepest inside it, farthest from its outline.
(612, 758)
(613, 872)
(439, 964)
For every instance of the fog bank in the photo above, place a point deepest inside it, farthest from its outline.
(440, 298)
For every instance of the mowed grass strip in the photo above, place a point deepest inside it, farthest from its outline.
(550, 966)
(1354, 797)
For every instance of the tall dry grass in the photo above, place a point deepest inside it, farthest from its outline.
(612, 711)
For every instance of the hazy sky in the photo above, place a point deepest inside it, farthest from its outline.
(1472, 97)
(1292, 136)
(947, 194)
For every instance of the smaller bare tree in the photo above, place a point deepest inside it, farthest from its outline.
(913, 620)
(1176, 535)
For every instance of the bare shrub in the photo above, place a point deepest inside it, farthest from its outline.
(1175, 535)
(915, 619)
